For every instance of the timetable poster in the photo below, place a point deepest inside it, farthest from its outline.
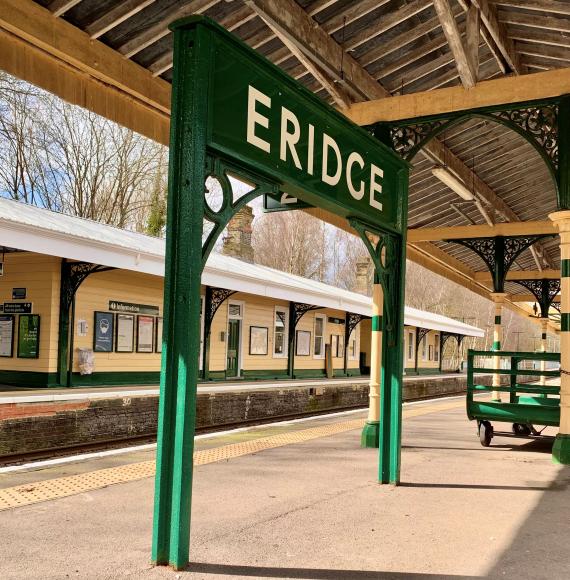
(29, 336)
(125, 332)
(145, 333)
(6, 335)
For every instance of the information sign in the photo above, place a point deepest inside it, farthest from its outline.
(18, 307)
(145, 333)
(125, 332)
(28, 336)
(103, 332)
(117, 306)
(6, 336)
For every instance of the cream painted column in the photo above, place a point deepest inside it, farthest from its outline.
(498, 299)
(371, 432)
(561, 448)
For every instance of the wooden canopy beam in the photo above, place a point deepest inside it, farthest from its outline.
(481, 231)
(495, 92)
(529, 298)
(58, 57)
(514, 275)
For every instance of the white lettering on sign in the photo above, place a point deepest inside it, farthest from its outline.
(353, 158)
(254, 118)
(286, 198)
(289, 139)
(332, 158)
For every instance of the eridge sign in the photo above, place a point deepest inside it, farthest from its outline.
(261, 117)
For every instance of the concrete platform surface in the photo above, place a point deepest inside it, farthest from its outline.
(314, 510)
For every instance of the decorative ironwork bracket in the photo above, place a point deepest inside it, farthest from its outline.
(499, 253)
(352, 321)
(215, 297)
(420, 334)
(72, 276)
(445, 336)
(300, 309)
(544, 291)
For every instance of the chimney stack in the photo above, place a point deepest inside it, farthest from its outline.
(237, 242)
(363, 275)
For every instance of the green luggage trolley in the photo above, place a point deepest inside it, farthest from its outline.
(529, 404)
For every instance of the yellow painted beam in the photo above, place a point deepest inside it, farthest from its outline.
(501, 91)
(528, 298)
(49, 52)
(515, 275)
(481, 231)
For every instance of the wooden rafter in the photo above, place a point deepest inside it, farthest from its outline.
(514, 275)
(464, 63)
(499, 35)
(117, 14)
(59, 7)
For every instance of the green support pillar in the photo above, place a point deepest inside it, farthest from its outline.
(564, 154)
(180, 365)
(63, 337)
(291, 341)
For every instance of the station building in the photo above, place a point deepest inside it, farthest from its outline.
(81, 305)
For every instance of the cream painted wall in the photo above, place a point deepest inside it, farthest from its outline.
(94, 295)
(39, 274)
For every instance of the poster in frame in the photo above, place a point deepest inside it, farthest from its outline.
(158, 335)
(145, 333)
(303, 343)
(124, 339)
(29, 336)
(103, 331)
(258, 340)
(6, 336)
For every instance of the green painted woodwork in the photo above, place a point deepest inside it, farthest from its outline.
(233, 348)
(370, 436)
(376, 323)
(498, 319)
(564, 321)
(116, 378)
(229, 106)
(29, 379)
(543, 336)
(565, 268)
(496, 345)
(561, 449)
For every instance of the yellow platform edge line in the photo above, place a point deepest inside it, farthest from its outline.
(51, 489)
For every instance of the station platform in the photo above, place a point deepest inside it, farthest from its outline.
(44, 421)
(300, 500)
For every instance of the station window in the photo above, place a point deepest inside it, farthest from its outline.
(436, 349)
(319, 346)
(353, 353)
(430, 352)
(410, 346)
(424, 348)
(280, 333)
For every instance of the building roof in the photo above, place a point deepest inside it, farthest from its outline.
(33, 229)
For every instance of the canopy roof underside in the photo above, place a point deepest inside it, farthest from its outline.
(401, 44)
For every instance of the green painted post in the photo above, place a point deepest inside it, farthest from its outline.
(63, 337)
(564, 154)
(180, 365)
(291, 341)
(392, 367)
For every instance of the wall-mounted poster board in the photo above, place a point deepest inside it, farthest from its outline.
(28, 336)
(145, 333)
(303, 342)
(6, 336)
(158, 339)
(125, 333)
(103, 332)
(258, 339)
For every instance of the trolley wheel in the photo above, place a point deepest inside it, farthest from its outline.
(485, 433)
(521, 430)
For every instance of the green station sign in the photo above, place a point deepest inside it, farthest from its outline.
(264, 119)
